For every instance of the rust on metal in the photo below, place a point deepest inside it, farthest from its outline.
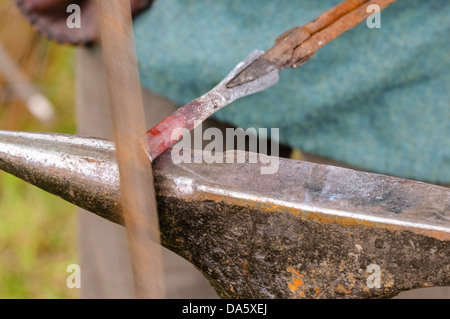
(137, 193)
(296, 46)
(308, 231)
(338, 27)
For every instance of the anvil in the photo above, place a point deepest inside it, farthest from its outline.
(308, 231)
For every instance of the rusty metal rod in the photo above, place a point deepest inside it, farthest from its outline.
(309, 231)
(329, 17)
(136, 189)
(338, 27)
(297, 45)
(186, 118)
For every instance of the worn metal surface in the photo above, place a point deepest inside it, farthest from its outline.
(80, 170)
(309, 231)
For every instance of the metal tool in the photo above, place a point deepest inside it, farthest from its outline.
(296, 46)
(172, 128)
(309, 231)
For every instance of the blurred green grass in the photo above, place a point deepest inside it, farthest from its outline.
(37, 241)
(37, 230)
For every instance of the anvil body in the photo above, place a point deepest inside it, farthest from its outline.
(308, 231)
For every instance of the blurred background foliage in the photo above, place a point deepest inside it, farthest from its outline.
(37, 230)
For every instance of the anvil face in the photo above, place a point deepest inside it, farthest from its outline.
(309, 231)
